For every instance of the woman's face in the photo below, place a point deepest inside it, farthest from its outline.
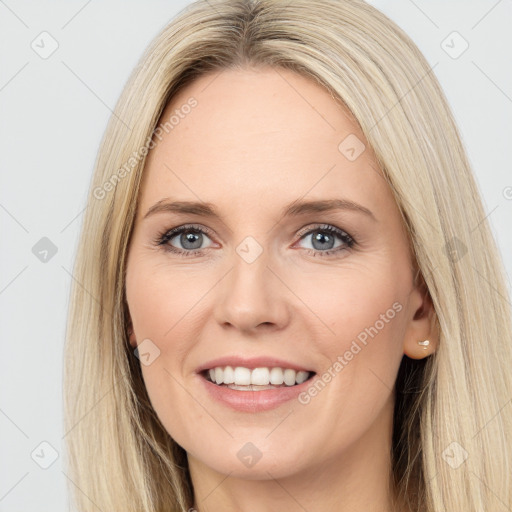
(263, 281)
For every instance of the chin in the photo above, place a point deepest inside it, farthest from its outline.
(243, 459)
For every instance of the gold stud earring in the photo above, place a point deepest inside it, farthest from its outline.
(424, 344)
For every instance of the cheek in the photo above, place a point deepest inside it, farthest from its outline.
(362, 313)
(165, 308)
(356, 297)
(159, 299)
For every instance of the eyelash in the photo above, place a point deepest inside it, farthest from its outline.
(164, 237)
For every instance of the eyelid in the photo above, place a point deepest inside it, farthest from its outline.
(321, 226)
(169, 234)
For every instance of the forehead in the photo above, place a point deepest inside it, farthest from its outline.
(256, 135)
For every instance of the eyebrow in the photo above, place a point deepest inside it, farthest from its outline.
(294, 209)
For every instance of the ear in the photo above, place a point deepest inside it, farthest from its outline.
(422, 324)
(131, 335)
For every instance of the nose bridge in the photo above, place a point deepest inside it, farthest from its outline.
(251, 293)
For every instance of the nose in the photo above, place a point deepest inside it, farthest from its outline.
(252, 296)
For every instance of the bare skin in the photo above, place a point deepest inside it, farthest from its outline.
(257, 141)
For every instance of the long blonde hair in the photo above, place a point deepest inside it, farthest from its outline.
(452, 414)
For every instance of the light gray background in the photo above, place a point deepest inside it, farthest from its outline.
(53, 115)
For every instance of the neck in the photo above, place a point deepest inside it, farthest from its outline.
(357, 479)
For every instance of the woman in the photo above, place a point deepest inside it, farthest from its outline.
(337, 337)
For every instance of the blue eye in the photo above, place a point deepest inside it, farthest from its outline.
(325, 238)
(191, 238)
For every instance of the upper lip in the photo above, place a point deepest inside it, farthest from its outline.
(251, 363)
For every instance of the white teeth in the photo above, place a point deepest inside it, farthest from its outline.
(229, 375)
(242, 376)
(269, 377)
(260, 376)
(276, 376)
(301, 377)
(289, 377)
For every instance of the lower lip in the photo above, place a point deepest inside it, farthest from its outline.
(254, 401)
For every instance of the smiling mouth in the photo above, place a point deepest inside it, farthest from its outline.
(256, 379)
